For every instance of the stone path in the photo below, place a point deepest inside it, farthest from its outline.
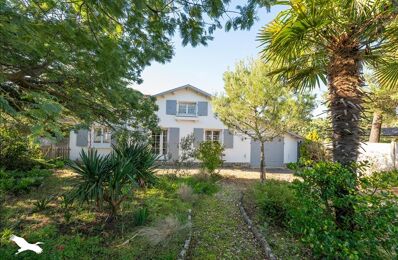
(219, 231)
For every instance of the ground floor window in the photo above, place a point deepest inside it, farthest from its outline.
(159, 143)
(212, 135)
(102, 135)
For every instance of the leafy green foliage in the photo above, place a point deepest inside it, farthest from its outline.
(42, 204)
(373, 226)
(210, 154)
(75, 59)
(18, 182)
(312, 149)
(141, 216)
(17, 151)
(258, 106)
(203, 184)
(276, 200)
(139, 154)
(92, 171)
(110, 178)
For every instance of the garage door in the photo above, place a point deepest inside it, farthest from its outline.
(273, 153)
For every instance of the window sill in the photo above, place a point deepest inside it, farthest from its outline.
(186, 117)
(101, 145)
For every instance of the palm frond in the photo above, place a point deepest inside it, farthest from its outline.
(387, 74)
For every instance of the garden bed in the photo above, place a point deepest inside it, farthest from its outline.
(80, 231)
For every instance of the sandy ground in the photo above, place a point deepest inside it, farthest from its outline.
(251, 174)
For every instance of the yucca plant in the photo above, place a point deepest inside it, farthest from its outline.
(92, 170)
(142, 159)
(120, 175)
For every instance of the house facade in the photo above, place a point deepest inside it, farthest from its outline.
(187, 111)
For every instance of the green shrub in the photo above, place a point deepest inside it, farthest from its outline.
(17, 151)
(210, 154)
(276, 199)
(202, 184)
(141, 216)
(18, 182)
(109, 178)
(370, 226)
(142, 159)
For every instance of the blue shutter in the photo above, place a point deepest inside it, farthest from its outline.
(228, 139)
(202, 108)
(198, 136)
(82, 138)
(174, 140)
(171, 107)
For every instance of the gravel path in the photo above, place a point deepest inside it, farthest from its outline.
(219, 231)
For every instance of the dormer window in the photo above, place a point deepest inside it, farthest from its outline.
(187, 109)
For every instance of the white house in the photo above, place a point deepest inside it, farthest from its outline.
(187, 110)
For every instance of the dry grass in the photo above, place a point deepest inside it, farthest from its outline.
(162, 230)
(186, 194)
(251, 174)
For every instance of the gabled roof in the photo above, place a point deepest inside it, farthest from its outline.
(295, 135)
(187, 86)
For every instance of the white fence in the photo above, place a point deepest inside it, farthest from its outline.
(381, 156)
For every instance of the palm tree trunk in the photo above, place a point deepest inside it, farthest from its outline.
(376, 127)
(345, 93)
(262, 162)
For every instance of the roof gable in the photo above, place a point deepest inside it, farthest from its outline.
(185, 87)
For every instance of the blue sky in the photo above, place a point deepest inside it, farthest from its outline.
(203, 66)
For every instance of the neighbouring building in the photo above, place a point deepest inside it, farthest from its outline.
(187, 110)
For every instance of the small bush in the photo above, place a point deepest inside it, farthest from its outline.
(276, 200)
(141, 216)
(17, 182)
(202, 184)
(42, 204)
(185, 193)
(369, 229)
(210, 154)
(17, 151)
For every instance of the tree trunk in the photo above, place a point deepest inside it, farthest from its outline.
(376, 127)
(345, 93)
(262, 163)
(345, 96)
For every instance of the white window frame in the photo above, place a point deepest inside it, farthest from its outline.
(103, 143)
(212, 135)
(186, 114)
(163, 141)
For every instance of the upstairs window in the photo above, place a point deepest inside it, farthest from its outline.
(212, 135)
(102, 135)
(186, 109)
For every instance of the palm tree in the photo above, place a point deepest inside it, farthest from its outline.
(332, 41)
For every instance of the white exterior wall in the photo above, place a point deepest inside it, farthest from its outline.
(290, 151)
(240, 153)
(381, 156)
(75, 150)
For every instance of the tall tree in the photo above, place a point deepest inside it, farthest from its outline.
(75, 59)
(327, 41)
(381, 107)
(331, 41)
(259, 107)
